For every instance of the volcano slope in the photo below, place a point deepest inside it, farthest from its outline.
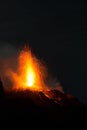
(51, 105)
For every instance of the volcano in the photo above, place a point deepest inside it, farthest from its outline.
(31, 99)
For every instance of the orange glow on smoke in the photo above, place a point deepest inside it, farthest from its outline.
(30, 73)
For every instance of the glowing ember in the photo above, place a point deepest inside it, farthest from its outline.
(30, 73)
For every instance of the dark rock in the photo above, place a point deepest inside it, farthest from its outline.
(51, 106)
(2, 93)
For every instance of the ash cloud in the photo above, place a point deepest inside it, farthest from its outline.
(6, 50)
(8, 59)
(53, 83)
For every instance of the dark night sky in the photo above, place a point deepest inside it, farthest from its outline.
(56, 31)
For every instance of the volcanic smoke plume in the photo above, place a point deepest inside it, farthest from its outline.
(25, 71)
(29, 74)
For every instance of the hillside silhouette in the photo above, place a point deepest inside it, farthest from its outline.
(51, 105)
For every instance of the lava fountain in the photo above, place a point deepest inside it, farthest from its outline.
(30, 73)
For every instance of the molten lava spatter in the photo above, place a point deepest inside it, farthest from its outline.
(30, 72)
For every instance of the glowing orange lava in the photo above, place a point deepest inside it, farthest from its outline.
(30, 73)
